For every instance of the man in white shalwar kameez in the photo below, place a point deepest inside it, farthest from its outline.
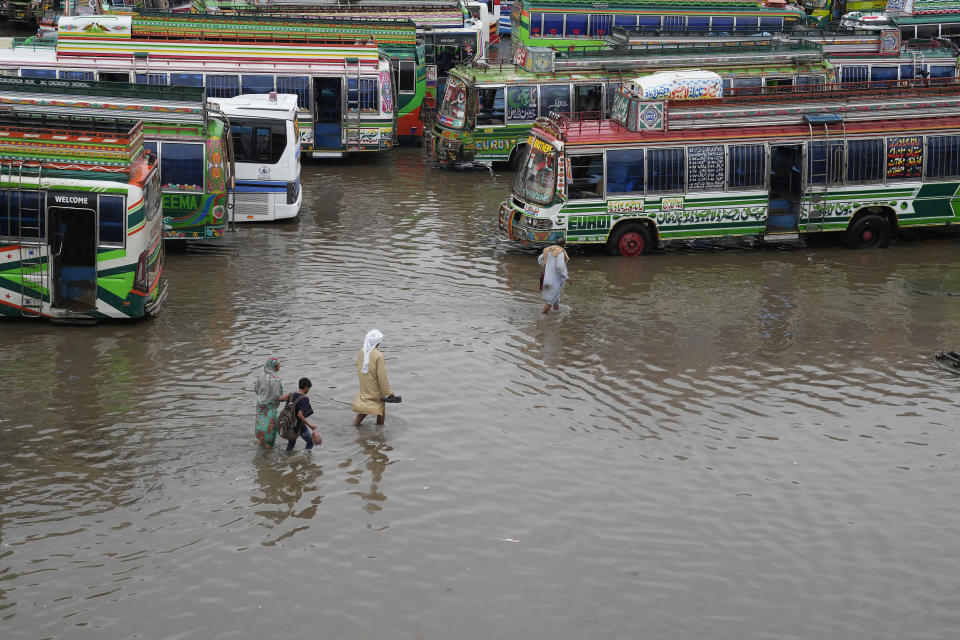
(554, 262)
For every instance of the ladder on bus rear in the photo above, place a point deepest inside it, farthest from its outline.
(351, 120)
(824, 128)
(919, 63)
(30, 238)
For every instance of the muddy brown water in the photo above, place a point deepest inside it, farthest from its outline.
(709, 442)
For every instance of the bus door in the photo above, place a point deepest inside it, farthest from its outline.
(73, 250)
(328, 118)
(588, 99)
(786, 188)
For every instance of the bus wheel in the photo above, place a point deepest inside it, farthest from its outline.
(869, 232)
(629, 240)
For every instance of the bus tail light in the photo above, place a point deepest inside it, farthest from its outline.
(293, 189)
(140, 282)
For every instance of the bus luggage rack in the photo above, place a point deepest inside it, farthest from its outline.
(916, 87)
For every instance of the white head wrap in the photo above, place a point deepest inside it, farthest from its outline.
(374, 337)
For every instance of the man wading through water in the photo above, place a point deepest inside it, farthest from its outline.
(554, 262)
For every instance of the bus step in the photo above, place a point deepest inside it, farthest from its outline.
(787, 236)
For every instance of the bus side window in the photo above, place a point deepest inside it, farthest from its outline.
(747, 166)
(112, 227)
(866, 160)
(586, 173)
(665, 170)
(943, 157)
(625, 171)
(181, 166)
(490, 106)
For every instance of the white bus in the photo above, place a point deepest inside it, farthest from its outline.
(266, 150)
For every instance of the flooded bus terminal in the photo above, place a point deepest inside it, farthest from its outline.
(717, 440)
(714, 442)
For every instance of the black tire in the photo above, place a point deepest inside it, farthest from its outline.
(630, 240)
(872, 231)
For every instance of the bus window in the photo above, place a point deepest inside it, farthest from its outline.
(648, 23)
(628, 22)
(943, 157)
(879, 74)
(866, 160)
(589, 100)
(112, 220)
(112, 76)
(537, 176)
(76, 75)
(257, 84)
(821, 168)
(152, 78)
(38, 73)
(665, 170)
(258, 141)
(942, 71)
(452, 112)
(181, 166)
(771, 24)
(674, 23)
(554, 98)
(298, 86)
(854, 73)
(365, 94)
(746, 23)
(11, 214)
(698, 23)
(522, 104)
(406, 72)
(553, 24)
(747, 166)
(490, 106)
(906, 71)
(576, 25)
(625, 171)
(586, 177)
(536, 24)
(721, 24)
(219, 86)
(186, 79)
(600, 24)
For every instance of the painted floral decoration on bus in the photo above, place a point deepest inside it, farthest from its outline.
(386, 90)
(216, 174)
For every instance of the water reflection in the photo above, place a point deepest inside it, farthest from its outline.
(372, 457)
(289, 485)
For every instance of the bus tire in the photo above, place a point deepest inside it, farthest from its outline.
(871, 231)
(629, 240)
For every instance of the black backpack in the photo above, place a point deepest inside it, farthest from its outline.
(287, 422)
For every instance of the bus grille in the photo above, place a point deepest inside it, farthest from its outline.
(252, 204)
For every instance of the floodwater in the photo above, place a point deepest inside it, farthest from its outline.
(708, 442)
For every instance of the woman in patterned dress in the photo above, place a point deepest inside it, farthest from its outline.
(269, 392)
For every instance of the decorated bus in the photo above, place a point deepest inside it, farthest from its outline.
(863, 161)
(897, 60)
(344, 89)
(445, 31)
(266, 156)
(487, 111)
(584, 23)
(189, 138)
(80, 221)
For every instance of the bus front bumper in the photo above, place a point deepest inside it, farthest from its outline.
(516, 226)
(444, 149)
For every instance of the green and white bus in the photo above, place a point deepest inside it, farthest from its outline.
(190, 139)
(80, 221)
(864, 161)
(487, 111)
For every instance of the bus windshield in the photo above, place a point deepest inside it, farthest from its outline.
(537, 175)
(453, 109)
